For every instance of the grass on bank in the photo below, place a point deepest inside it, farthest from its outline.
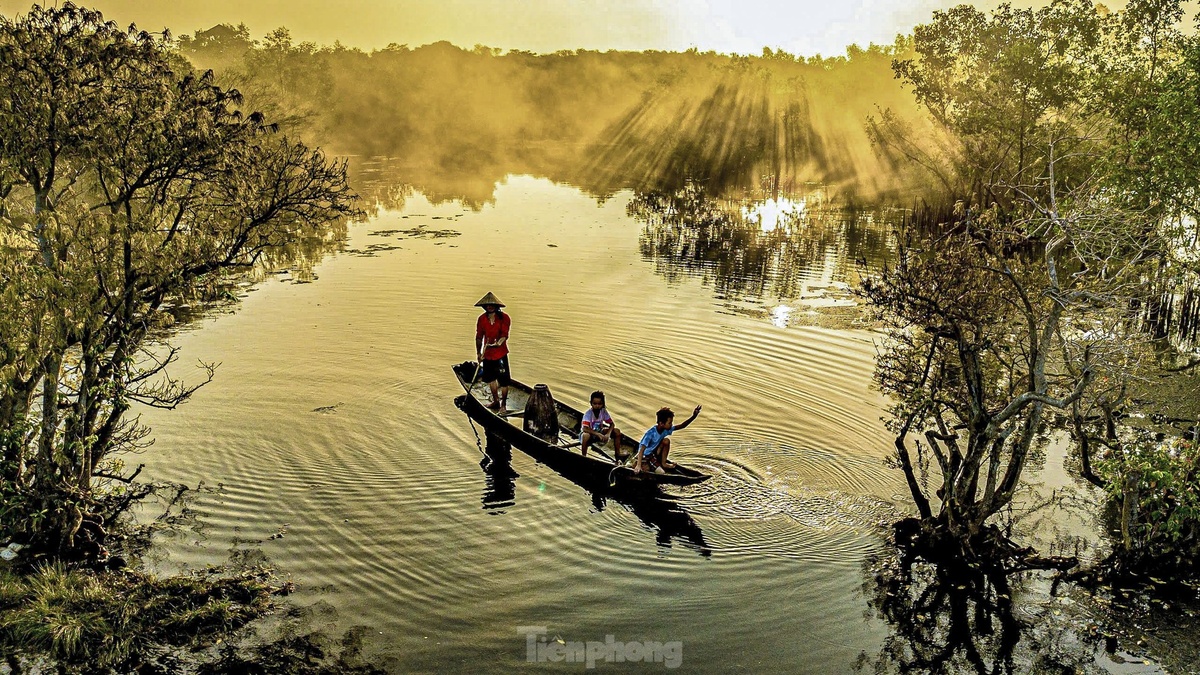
(96, 621)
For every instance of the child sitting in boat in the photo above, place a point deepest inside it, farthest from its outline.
(653, 449)
(597, 426)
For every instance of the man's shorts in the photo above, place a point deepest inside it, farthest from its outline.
(496, 371)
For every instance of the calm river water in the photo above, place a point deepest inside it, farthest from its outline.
(331, 422)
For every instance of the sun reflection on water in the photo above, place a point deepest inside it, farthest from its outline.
(774, 213)
(780, 315)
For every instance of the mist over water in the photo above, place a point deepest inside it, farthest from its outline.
(455, 121)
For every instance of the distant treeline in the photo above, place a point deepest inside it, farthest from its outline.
(602, 120)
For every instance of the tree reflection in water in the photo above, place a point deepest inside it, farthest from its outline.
(760, 248)
(952, 618)
(657, 511)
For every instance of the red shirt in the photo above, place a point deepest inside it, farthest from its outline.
(491, 332)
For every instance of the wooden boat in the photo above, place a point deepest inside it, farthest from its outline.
(659, 511)
(562, 454)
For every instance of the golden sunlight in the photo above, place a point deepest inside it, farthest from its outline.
(804, 27)
(774, 213)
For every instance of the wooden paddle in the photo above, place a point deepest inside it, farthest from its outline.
(478, 370)
(487, 459)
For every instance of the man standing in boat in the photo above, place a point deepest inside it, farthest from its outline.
(491, 343)
(597, 426)
(653, 449)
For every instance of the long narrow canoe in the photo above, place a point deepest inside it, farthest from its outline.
(564, 454)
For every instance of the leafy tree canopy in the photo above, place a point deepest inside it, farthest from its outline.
(129, 183)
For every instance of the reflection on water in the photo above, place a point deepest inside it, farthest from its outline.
(765, 249)
(500, 489)
(774, 213)
(390, 519)
(667, 517)
(737, 175)
(386, 183)
(293, 263)
(788, 256)
(715, 215)
(731, 180)
(944, 618)
(949, 618)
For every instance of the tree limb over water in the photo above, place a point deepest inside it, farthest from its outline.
(130, 183)
(1022, 305)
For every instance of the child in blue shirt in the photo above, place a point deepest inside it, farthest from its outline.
(655, 445)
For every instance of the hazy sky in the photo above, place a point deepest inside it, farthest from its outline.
(745, 26)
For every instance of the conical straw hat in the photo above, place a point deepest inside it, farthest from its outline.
(489, 299)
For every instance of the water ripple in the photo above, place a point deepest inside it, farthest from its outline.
(331, 427)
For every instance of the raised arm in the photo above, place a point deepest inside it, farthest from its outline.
(683, 424)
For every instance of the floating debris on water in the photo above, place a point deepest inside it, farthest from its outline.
(418, 232)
